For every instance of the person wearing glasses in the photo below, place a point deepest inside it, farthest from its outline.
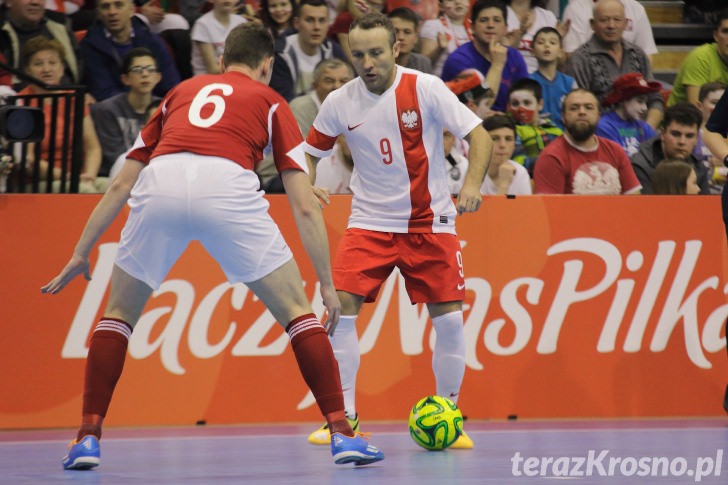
(120, 118)
(116, 32)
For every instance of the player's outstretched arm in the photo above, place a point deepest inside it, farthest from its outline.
(105, 212)
(481, 147)
(311, 227)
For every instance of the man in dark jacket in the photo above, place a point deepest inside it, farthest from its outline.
(26, 19)
(297, 55)
(676, 141)
(110, 38)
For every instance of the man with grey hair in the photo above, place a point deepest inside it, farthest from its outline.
(638, 30)
(329, 74)
(606, 56)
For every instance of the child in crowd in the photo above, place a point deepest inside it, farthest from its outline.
(708, 97)
(675, 177)
(406, 28)
(546, 47)
(209, 33)
(532, 18)
(121, 159)
(119, 119)
(625, 124)
(533, 131)
(441, 36)
(504, 175)
(278, 16)
(472, 90)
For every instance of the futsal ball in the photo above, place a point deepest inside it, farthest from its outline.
(435, 422)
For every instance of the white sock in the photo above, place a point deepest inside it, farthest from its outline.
(345, 343)
(448, 357)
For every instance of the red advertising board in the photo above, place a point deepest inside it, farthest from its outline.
(575, 307)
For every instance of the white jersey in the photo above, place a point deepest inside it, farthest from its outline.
(638, 30)
(400, 176)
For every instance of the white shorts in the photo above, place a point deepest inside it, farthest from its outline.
(183, 197)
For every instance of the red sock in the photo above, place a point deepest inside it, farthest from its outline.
(104, 364)
(319, 369)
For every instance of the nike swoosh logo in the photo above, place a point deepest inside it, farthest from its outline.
(460, 287)
(352, 128)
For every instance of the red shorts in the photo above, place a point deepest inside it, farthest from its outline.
(430, 263)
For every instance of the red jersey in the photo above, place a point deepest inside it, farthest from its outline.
(223, 115)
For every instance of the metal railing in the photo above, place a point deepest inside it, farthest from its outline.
(65, 108)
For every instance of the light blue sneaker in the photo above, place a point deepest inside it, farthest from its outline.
(354, 450)
(83, 455)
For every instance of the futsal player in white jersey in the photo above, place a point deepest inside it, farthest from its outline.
(402, 213)
(200, 150)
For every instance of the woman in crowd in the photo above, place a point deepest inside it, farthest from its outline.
(43, 59)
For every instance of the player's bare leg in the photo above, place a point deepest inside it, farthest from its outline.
(448, 356)
(104, 364)
(282, 292)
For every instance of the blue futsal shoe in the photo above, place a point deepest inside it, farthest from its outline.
(83, 455)
(354, 450)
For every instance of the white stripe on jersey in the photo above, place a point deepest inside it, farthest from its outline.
(269, 147)
(298, 155)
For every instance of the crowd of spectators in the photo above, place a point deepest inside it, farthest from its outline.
(513, 62)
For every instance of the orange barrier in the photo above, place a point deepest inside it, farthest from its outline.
(576, 307)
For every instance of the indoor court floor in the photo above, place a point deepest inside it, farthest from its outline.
(652, 451)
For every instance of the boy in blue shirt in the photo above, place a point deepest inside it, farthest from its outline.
(555, 85)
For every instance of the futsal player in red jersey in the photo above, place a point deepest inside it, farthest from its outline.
(198, 153)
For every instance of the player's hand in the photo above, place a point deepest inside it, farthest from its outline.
(75, 267)
(322, 195)
(333, 308)
(469, 199)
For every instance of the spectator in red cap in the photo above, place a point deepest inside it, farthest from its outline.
(472, 90)
(625, 123)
